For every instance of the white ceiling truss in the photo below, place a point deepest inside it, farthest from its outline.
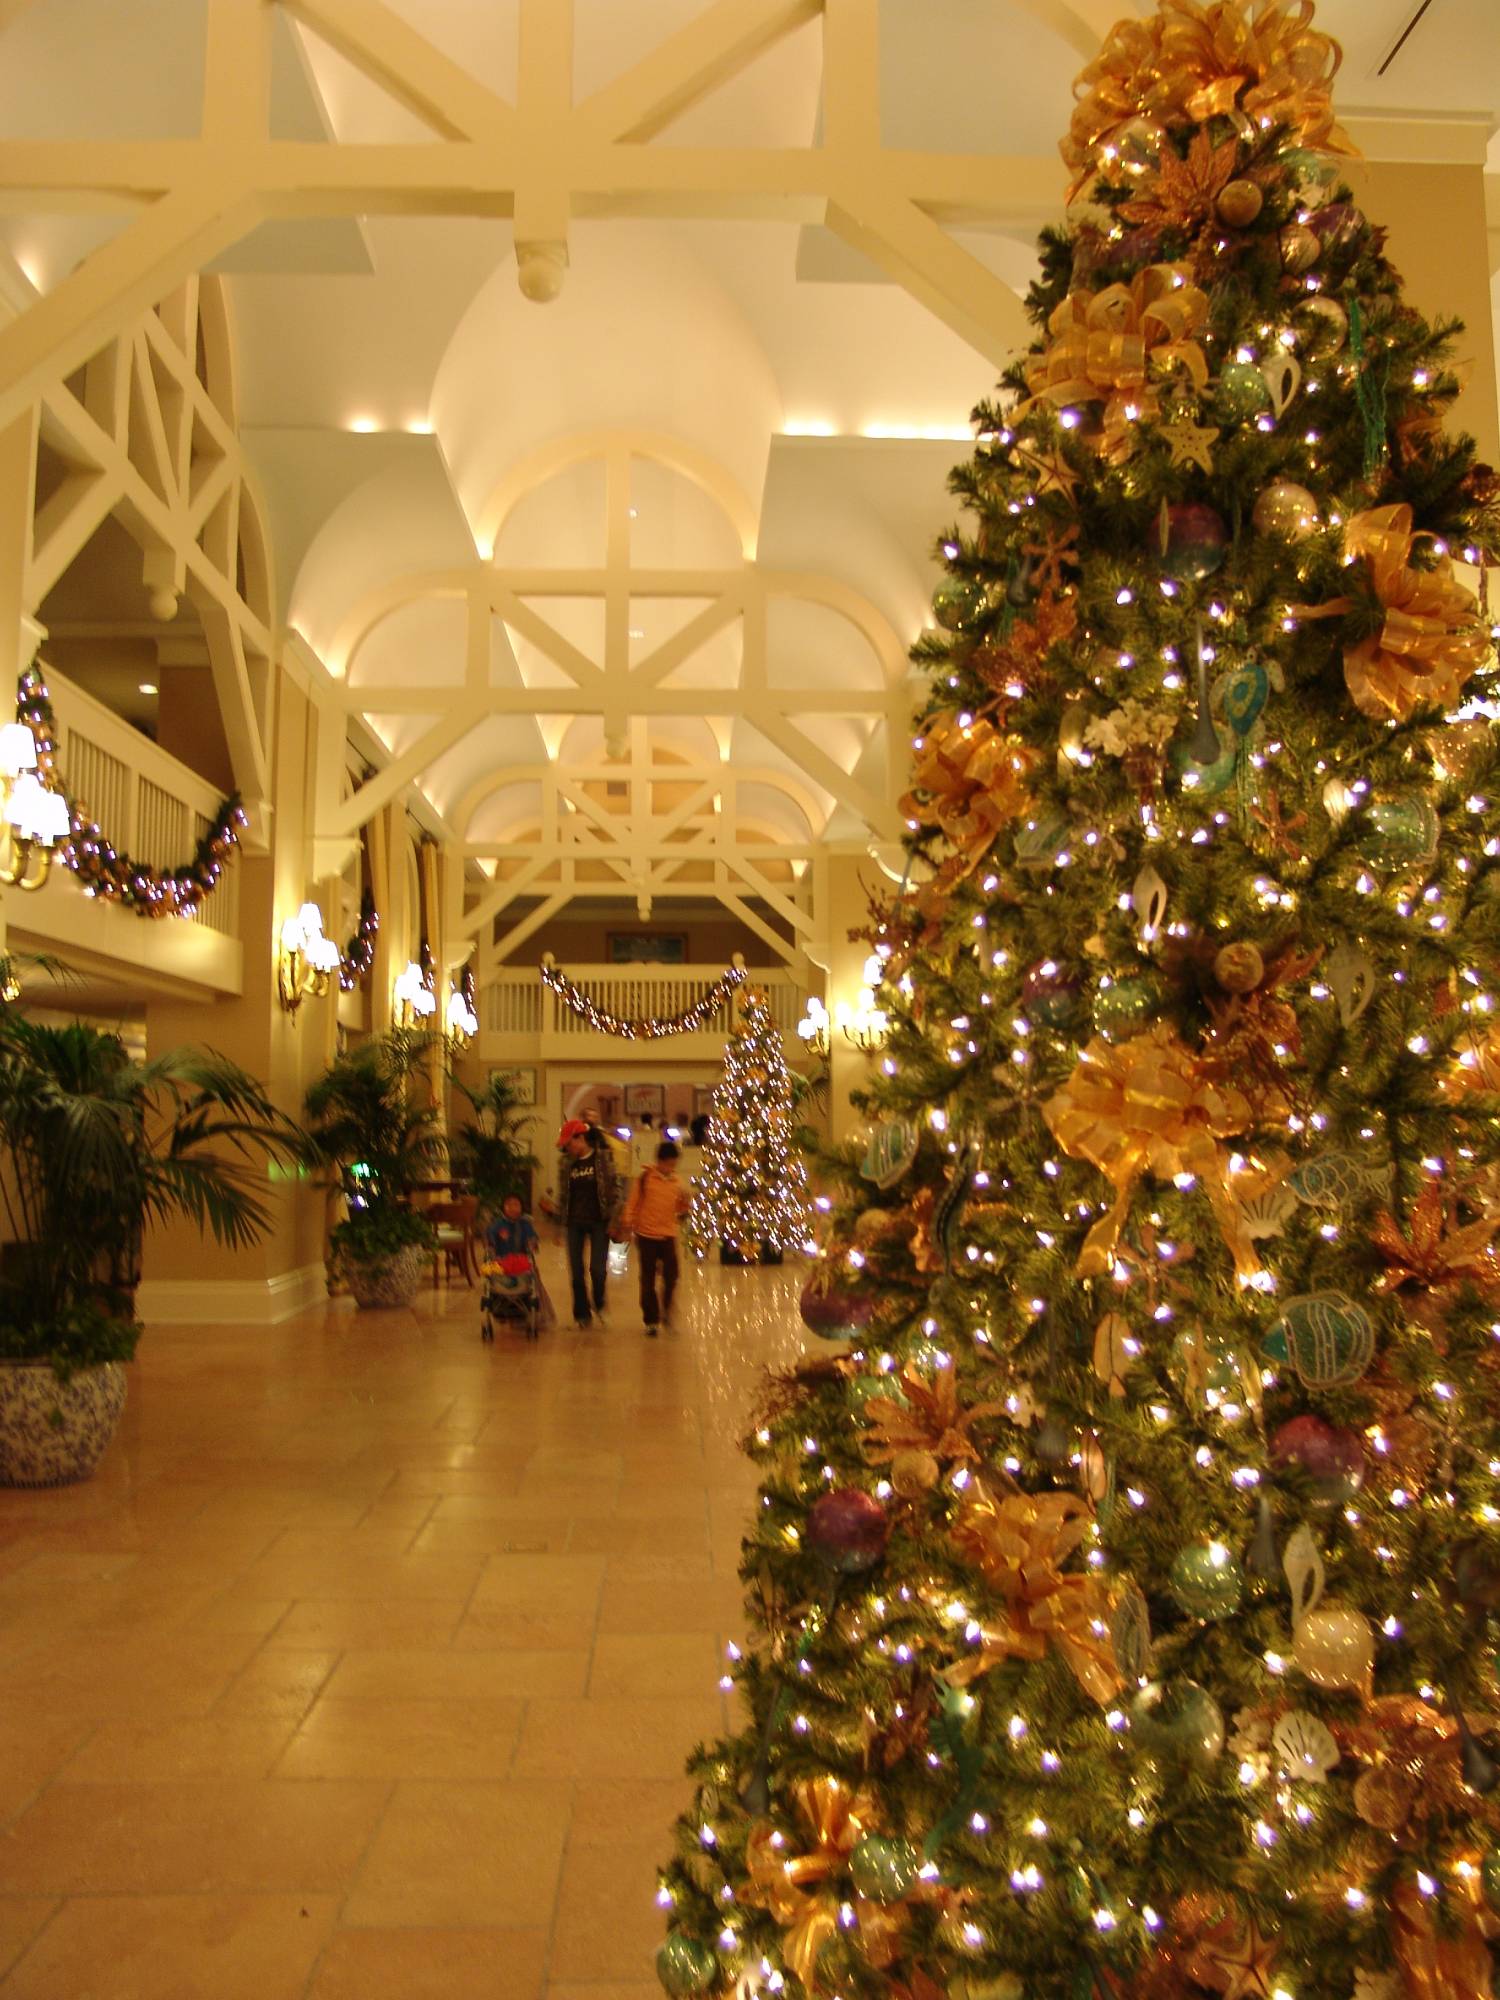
(704, 844)
(147, 438)
(540, 161)
(646, 852)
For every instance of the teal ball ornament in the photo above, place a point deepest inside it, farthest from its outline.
(1180, 1721)
(1207, 1580)
(1189, 540)
(882, 1868)
(685, 1964)
(1052, 993)
(1126, 1007)
(1327, 1338)
(1397, 833)
(1242, 393)
(1039, 841)
(1306, 169)
(867, 1389)
(958, 602)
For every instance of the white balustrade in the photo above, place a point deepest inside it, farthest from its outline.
(515, 1005)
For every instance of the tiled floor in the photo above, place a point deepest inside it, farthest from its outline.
(367, 1663)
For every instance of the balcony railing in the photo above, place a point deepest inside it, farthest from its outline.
(149, 805)
(153, 808)
(516, 1006)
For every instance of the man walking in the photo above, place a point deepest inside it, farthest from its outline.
(643, 1144)
(588, 1200)
(658, 1202)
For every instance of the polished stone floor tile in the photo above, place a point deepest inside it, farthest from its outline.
(175, 1948)
(367, 1663)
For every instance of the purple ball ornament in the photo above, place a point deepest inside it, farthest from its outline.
(1333, 1459)
(1188, 541)
(832, 1314)
(848, 1530)
(1338, 227)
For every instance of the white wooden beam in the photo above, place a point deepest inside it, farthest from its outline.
(408, 67)
(688, 65)
(389, 782)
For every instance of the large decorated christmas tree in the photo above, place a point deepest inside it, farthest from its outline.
(1122, 1585)
(750, 1187)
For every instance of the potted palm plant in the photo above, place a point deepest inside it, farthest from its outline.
(488, 1150)
(371, 1122)
(97, 1148)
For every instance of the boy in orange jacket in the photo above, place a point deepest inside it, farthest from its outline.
(658, 1201)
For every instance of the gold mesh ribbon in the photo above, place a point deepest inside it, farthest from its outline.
(1258, 59)
(1451, 1963)
(1432, 638)
(1103, 343)
(1020, 1544)
(1149, 1105)
(793, 1887)
(975, 783)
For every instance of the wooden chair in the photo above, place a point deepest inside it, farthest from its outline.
(455, 1223)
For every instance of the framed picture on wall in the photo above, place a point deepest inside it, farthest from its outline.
(522, 1081)
(641, 1098)
(703, 1099)
(647, 948)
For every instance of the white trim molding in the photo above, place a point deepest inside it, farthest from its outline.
(231, 1301)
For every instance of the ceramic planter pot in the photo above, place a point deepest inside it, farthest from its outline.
(53, 1433)
(387, 1281)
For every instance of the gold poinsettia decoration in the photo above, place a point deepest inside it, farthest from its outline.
(1182, 192)
(1431, 1254)
(931, 1429)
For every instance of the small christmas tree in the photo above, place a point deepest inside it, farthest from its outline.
(1124, 1597)
(750, 1195)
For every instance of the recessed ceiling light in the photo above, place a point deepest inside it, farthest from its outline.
(363, 424)
(633, 512)
(636, 632)
(146, 687)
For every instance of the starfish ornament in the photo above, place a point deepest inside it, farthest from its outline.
(1189, 442)
(1245, 1965)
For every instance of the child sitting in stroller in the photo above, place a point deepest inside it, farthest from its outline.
(513, 1287)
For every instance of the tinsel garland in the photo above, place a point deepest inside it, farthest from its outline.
(102, 870)
(358, 955)
(652, 1028)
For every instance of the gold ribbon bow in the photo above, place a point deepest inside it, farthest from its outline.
(1104, 342)
(1149, 1105)
(1020, 1544)
(1432, 638)
(791, 1886)
(975, 782)
(1259, 60)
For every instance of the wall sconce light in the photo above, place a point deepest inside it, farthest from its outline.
(463, 1016)
(305, 958)
(414, 998)
(864, 1025)
(813, 1027)
(32, 815)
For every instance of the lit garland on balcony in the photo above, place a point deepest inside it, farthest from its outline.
(359, 953)
(652, 1028)
(100, 868)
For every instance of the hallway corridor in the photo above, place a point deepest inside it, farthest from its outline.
(367, 1664)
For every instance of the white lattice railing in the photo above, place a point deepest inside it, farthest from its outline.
(145, 802)
(515, 1002)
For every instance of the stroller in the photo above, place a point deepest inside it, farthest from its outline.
(512, 1291)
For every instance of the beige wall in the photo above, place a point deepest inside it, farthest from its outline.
(285, 1050)
(1438, 241)
(710, 940)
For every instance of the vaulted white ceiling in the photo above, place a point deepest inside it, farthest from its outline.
(399, 395)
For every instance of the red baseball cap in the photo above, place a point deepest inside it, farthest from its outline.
(574, 1129)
